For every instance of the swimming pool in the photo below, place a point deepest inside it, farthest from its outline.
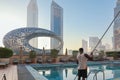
(104, 71)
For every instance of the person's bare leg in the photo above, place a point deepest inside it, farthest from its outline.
(83, 78)
(79, 78)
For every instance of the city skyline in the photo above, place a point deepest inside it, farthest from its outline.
(82, 20)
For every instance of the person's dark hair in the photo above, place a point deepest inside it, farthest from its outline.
(81, 50)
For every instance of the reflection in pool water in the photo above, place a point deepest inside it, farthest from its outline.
(103, 72)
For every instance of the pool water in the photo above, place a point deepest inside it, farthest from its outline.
(95, 72)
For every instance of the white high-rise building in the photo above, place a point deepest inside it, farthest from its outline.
(108, 47)
(85, 45)
(116, 28)
(32, 19)
(56, 24)
(93, 42)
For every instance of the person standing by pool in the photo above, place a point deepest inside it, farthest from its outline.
(82, 63)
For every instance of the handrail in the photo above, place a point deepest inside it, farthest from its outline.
(95, 75)
(75, 76)
(4, 77)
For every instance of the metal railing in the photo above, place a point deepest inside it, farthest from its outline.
(3, 77)
(95, 74)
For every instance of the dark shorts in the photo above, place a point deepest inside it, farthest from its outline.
(82, 73)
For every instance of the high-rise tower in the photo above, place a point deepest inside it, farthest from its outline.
(56, 24)
(85, 45)
(32, 19)
(116, 28)
(93, 42)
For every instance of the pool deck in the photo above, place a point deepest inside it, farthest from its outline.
(23, 73)
(15, 72)
(20, 72)
(10, 72)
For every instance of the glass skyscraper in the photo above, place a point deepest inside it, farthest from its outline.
(32, 19)
(116, 28)
(56, 24)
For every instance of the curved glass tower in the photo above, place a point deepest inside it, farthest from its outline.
(56, 24)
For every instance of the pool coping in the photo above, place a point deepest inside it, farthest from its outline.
(35, 74)
(47, 65)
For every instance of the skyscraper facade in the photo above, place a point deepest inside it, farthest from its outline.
(85, 45)
(56, 24)
(116, 28)
(32, 19)
(93, 42)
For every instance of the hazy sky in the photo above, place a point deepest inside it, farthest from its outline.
(82, 18)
